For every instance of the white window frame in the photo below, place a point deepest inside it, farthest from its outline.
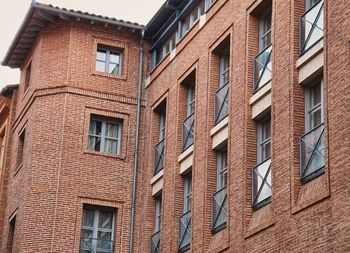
(262, 33)
(187, 193)
(103, 136)
(158, 202)
(310, 109)
(208, 3)
(95, 229)
(261, 142)
(107, 61)
(222, 170)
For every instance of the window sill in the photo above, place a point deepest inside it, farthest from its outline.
(89, 152)
(104, 74)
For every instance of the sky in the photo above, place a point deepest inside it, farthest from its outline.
(12, 13)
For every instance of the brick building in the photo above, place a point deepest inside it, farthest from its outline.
(221, 126)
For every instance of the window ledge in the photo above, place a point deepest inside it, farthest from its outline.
(157, 177)
(104, 154)
(310, 54)
(260, 93)
(218, 127)
(186, 153)
(104, 74)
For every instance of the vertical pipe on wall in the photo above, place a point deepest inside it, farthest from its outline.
(138, 114)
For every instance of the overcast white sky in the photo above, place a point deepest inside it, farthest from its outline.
(12, 13)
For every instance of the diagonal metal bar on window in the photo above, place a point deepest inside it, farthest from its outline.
(313, 23)
(313, 154)
(262, 183)
(221, 208)
(222, 102)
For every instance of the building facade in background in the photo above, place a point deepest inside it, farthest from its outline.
(221, 126)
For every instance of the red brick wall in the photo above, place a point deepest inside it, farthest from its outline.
(58, 174)
(297, 219)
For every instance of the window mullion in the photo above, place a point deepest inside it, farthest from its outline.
(108, 54)
(95, 231)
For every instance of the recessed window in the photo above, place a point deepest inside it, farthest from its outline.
(104, 135)
(97, 230)
(185, 219)
(312, 149)
(262, 183)
(27, 76)
(219, 208)
(20, 147)
(108, 61)
(155, 239)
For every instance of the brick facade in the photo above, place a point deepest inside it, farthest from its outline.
(58, 175)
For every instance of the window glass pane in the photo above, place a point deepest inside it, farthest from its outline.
(95, 127)
(101, 55)
(316, 95)
(88, 218)
(114, 69)
(111, 146)
(114, 57)
(94, 143)
(100, 66)
(112, 130)
(106, 236)
(105, 220)
(316, 118)
(86, 233)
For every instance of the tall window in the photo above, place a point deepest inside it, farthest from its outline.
(185, 220)
(265, 30)
(314, 106)
(155, 239)
(187, 193)
(158, 214)
(190, 100)
(97, 230)
(264, 139)
(108, 61)
(221, 181)
(188, 125)
(312, 150)
(224, 67)
(20, 147)
(27, 76)
(104, 135)
(262, 183)
(263, 61)
(2, 147)
(11, 235)
(161, 127)
(219, 207)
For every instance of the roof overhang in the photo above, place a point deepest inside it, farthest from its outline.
(8, 89)
(41, 15)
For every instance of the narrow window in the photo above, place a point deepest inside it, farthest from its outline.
(264, 139)
(265, 30)
(187, 193)
(2, 147)
(27, 76)
(262, 183)
(185, 220)
(188, 124)
(219, 211)
(263, 61)
(108, 61)
(97, 230)
(224, 67)
(312, 150)
(105, 135)
(155, 239)
(11, 235)
(158, 214)
(159, 149)
(20, 148)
